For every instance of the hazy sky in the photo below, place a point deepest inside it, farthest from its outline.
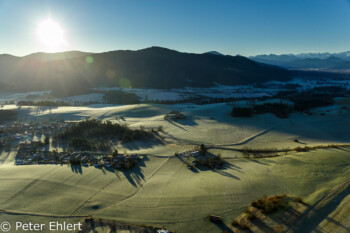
(245, 27)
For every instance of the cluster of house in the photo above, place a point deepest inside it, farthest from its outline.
(174, 116)
(27, 138)
(191, 153)
(119, 161)
(198, 159)
(11, 132)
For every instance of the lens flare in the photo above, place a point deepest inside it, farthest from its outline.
(51, 34)
(89, 59)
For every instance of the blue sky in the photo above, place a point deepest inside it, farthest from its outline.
(245, 27)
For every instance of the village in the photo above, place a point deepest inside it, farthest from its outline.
(15, 132)
(33, 141)
(36, 143)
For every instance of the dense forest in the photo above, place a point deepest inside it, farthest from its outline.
(95, 129)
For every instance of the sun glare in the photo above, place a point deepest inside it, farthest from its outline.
(51, 35)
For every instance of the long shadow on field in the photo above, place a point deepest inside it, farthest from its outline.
(288, 217)
(222, 172)
(265, 161)
(258, 161)
(223, 227)
(302, 143)
(335, 222)
(6, 156)
(196, 169)
(234, 166)
(134, 175)
(188, 163)
(189, 121)
(269, 161)
(262, 226)
(177, 125)
(143, 144)
(312, 222)
(226, 165)
(344, 149)
(76, 169)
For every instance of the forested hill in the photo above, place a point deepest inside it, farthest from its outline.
(153, 67)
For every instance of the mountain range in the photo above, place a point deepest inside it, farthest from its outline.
(319, 61)
(154, 67)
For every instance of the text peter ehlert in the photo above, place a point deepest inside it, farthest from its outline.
(51, 226)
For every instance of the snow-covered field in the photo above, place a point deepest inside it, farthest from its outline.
(162, 191)
(212, 123)
(8, 106)
(192, 92)
(245, 92)
(269, 89)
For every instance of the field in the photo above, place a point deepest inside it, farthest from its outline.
(163, 192)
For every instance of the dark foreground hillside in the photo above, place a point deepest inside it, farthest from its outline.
(153, 67)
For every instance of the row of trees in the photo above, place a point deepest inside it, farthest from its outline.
(278, 109)
(305, 102)
(46, 103)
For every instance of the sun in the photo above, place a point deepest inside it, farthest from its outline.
(51, 35)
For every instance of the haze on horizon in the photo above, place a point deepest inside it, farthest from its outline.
(230, 27)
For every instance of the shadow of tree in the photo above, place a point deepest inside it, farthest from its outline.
(188, 161)
(224, 173)
(262, 225)
(76, 169)
(338, 223)
(146, 144)
(313, 221)
(135, 175)
(177, 125)
(189, 121)
(258, 161)
(223, 227)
